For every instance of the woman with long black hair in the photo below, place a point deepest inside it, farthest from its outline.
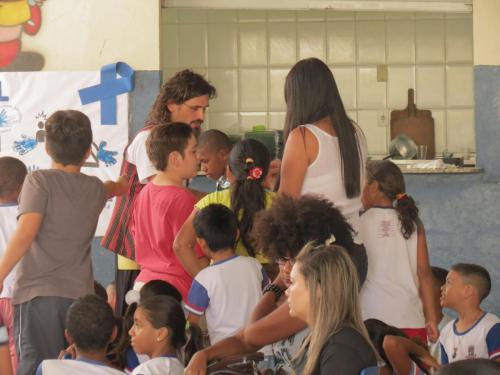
(325, 150)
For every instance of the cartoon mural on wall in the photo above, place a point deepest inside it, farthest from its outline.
(16, 17)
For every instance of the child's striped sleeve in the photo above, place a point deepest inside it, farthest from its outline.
(493, 341)
(197, 300)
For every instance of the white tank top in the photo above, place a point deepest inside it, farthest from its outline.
(324, 175)
(390, 292)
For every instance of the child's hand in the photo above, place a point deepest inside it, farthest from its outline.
(122, 185)
(281, 280)
(68, 353)
(432, 331)
(428, 360)
(122, 180)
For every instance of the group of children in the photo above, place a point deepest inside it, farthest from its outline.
(197, 257)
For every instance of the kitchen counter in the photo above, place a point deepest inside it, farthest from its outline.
(435, 166)
(449, 170)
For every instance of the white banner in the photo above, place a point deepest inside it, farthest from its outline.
(26, 101)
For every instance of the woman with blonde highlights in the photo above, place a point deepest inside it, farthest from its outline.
(325, 294)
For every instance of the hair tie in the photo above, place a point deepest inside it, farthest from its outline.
(330, 240)
(132, 296)
(254, 173)
(400, 196)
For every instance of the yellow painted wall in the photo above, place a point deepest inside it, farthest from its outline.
(486, 21)
(86, 34)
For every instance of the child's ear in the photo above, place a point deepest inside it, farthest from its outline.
(173, 158)
(202, 243)
(223, 154)
(114, 333)
(237, 235)
(162, 334)
(229, 175)
(469, 291)
(87, 153)
(68, 337)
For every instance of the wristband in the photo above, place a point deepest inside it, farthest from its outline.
(277, 291)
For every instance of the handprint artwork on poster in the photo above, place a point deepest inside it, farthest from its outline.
(28, 98)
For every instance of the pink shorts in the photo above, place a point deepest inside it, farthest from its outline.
(7, 319)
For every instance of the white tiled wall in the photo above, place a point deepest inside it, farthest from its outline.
(247, 55)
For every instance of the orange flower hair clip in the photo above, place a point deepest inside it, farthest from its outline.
(400, 196)
(254, 173)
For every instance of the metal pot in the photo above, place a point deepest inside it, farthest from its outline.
(402, 147)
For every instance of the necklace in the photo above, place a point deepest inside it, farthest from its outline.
(458, 338)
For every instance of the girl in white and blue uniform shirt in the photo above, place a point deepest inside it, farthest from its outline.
(159, 331)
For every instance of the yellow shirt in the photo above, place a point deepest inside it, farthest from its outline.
(224, 197)
(123, 263)
(14, 13)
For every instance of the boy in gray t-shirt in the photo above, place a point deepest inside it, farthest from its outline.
(58, 213)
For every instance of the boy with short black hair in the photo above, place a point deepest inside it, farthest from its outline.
(58, 213)
(90, 327)
(12, 174)
(228, 290)
(475, 334)
(163, 206)
(214, 147)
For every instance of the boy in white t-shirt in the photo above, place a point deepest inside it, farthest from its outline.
(475, 334)
(12, 174)
(90, 327)
(228, 290)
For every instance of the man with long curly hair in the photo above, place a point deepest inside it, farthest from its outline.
(183, 98)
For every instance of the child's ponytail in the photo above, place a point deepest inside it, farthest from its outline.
(119, 349)
(249, 163)
(195, 341)
(392, 184)
(407, 213)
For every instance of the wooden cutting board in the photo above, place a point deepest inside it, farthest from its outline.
(418, 124)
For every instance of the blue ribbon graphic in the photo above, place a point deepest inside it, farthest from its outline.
(109, 88)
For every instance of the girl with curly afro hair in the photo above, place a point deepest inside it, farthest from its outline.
(280, 232)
